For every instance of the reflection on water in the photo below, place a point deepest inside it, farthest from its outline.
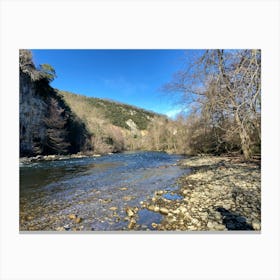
(172, 196)
(97, 190)
(146, 218)
(46, 173)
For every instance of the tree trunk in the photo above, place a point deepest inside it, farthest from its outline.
(244, 137)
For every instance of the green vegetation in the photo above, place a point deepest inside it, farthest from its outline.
(116, 113)
(47, 71)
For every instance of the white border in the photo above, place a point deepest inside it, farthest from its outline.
(132, 24)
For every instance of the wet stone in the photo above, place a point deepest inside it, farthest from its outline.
(123, 189)
(128, 198)
(129, 212)
(132, 224)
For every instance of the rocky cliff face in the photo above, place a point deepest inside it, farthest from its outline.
(33, 111)
(47, 124)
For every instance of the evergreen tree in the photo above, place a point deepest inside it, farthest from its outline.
(57, 135)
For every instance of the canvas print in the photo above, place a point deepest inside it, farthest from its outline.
(127, 140)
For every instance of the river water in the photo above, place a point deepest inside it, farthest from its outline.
(95, 189)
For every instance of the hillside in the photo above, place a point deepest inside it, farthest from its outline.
(58, 122)
(115, 112)
(113, 126)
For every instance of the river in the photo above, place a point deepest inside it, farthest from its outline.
(91, 194)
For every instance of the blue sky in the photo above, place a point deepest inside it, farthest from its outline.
(128, 76)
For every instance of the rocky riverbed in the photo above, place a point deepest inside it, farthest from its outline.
(220, 194)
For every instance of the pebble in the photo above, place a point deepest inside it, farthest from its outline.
(128, 198)
(163, 211)
(210, 225)
(72, 216)
(59, 229)
(219, 227)
(67, 227)
(256, 226)
(156, 209)
(132, 224)
(129, 212)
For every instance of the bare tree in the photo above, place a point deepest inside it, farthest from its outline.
(225, 86)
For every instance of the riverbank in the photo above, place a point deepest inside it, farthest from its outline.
(38, 158)
(220, 193)
(55, 157)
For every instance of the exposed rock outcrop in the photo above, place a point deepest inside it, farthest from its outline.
(47, 124)
(33, 111)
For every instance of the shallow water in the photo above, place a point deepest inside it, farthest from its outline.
(96, 189)
(172, 196)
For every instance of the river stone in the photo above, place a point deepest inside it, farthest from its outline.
(123, 189)
(183, 209)
(72, 216)
(66, 227)
(192, 228)
(163, 211)
(156, 209)
(219, 227)
(256, 226)
(154, 225)
(128, 198)
(195, 221)
(113, 208)
(78, 220)
(132, 224)
(210, 225)
(129, 212)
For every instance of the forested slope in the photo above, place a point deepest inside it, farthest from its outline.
(59, 122)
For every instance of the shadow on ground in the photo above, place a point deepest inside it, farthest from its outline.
(234, 221)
